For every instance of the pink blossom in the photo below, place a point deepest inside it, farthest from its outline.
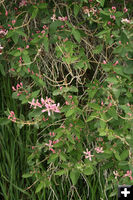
(99, 150)
(125, 10)
(27, 46)
(50, 144)
(104, 62)
(12, 116)
(126, 21)
(53, 17)
(116, 63)
(56, 141)
(13, 22)
(116, 174)
(51, 149)
(114, 8)
(67, 103)
(109, 22)
(112, 17)
(129, 174)
(88, 154)
(6, 13)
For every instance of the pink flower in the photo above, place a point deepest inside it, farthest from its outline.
(67, 103)
(116, 63)
(88, 154)
(129, 174)
(13, 22)
(126, 21)
(112, 17)
(116, 174)
(50, 143)
(6, 13)
(51, 149)
(104, 62)
(109, 22)
(99, 150)
(53, 17)
(12, 116)
(27, 46)
(125, 10)
(114, 8)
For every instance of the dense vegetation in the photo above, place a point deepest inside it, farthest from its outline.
(66, 117)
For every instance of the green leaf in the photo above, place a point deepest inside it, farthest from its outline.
(70, 138)
(54, 25)
(124, 155)
(52, 158)
(4, 121)
(40, 187)
(62, 156)
(101, 2)
(42, 5)
(74, 176)
(70, 112)
(26, 59)
(15, 37)
(88, 171)
(2, 69)
(20, 32)
(94, 106)
(112, 80)
(76, 34)
(98, 49)
(46, 43)
(35, 93)
(117, 156)
(34, 13)
(60, 172)
(112, 113)
(76, 9)
(26, 175)
(91, 117)
(15, 53)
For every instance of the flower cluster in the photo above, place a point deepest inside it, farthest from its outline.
(88, 153)
(12, 116)
(48, 103)
(3, 32)
(51, 145)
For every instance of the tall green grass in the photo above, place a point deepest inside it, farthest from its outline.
(15, 147)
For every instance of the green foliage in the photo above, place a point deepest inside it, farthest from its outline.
(69, 89)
